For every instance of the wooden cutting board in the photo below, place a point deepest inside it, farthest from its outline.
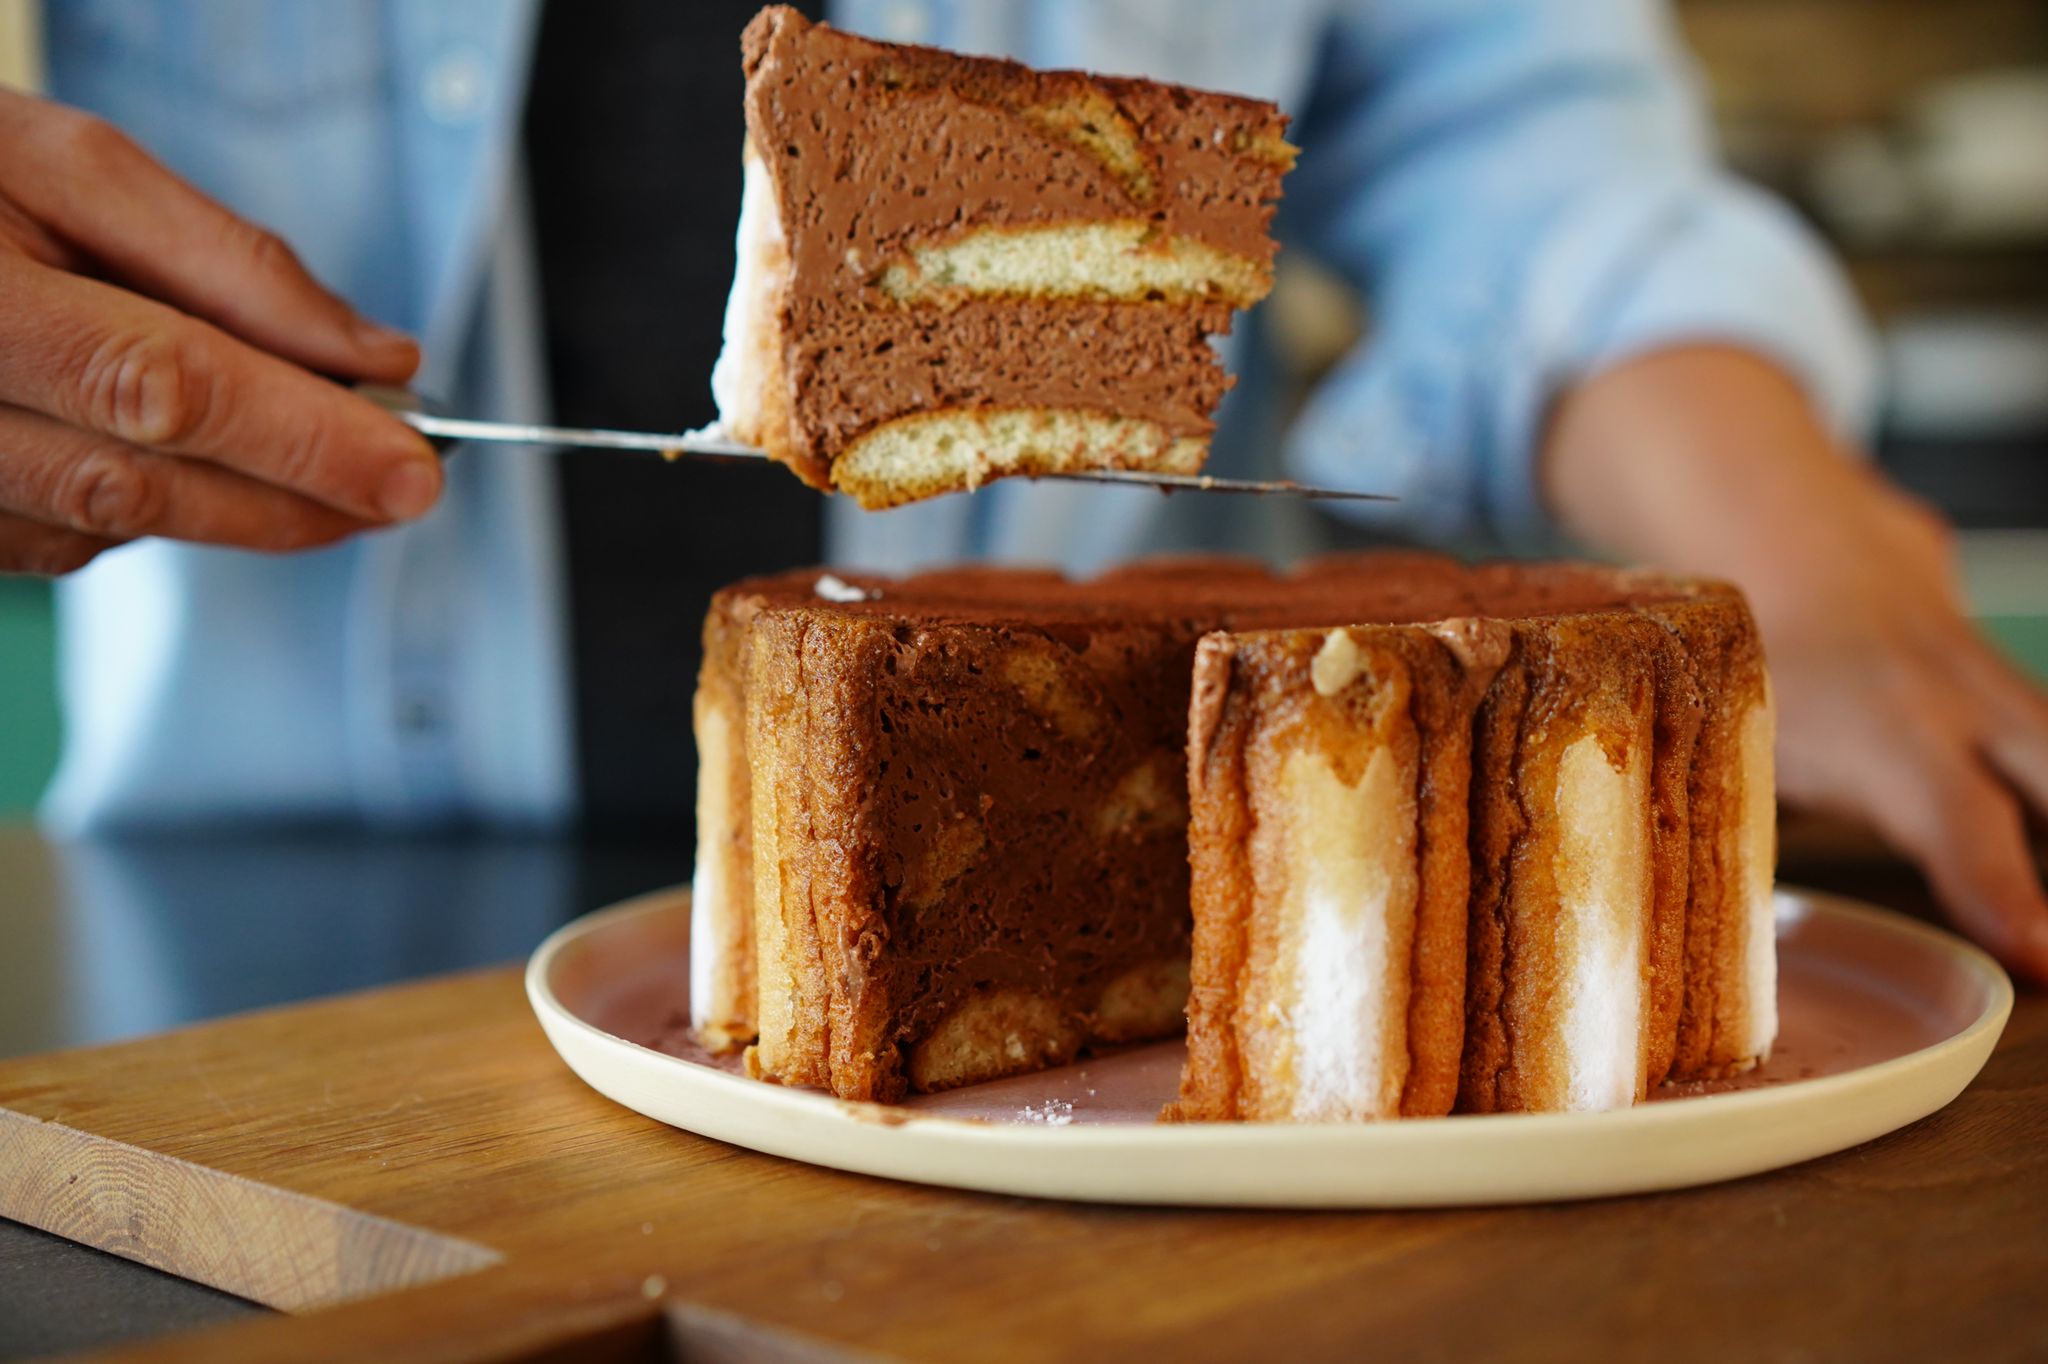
(415, 1176)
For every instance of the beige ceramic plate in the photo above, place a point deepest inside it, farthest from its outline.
(1884, 1020)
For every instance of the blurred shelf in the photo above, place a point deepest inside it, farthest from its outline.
(1799, 70)
(1898, 279)
(1986, 483)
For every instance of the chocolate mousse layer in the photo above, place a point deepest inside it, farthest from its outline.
(863, 367)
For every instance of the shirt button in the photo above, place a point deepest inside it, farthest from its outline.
(455, 86)
(904, 21)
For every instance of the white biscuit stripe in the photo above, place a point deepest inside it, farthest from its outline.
(1353, 860)
(1603, 888)
(1128, 260)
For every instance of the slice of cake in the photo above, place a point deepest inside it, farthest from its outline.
(1492, 838)
(953, 269)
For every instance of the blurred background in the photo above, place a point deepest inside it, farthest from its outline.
(1915, 136)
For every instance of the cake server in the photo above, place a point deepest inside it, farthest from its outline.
(712, 442)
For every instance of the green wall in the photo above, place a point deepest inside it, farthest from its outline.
(2025, 638)
(28, 695)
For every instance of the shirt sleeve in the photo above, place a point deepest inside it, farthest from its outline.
(1525, 192)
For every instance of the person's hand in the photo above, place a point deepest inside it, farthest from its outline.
(1892, 707)
(154, 365)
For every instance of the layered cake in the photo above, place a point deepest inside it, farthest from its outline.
(952, 269)
(1482, 838)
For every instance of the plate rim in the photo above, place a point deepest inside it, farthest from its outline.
(1366, 1138)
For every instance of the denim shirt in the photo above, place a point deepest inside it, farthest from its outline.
(1522, 190)
(413, 676)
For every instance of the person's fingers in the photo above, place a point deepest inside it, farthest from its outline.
(28, 546)
(63, 476)
(109, 361)
(93, 188)
(31, 238)
(1932, 799)
(2013, 724)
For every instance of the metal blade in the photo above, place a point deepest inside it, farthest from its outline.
(712, 442)
(706, 442)
(1208, 483)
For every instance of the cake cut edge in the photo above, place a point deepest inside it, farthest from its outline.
(750, 379)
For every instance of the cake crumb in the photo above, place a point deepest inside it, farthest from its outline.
(834, 588)
(1052, 1113)
(653, 1286)
(1336, 664)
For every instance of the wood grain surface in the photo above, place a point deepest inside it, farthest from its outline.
(415, 1171)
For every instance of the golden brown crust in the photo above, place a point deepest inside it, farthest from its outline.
(794, 1005)
(1448, 691)
(1725, 657)
(1570, 678)
(1679, 707)
(949, 448)
(1219, 843)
